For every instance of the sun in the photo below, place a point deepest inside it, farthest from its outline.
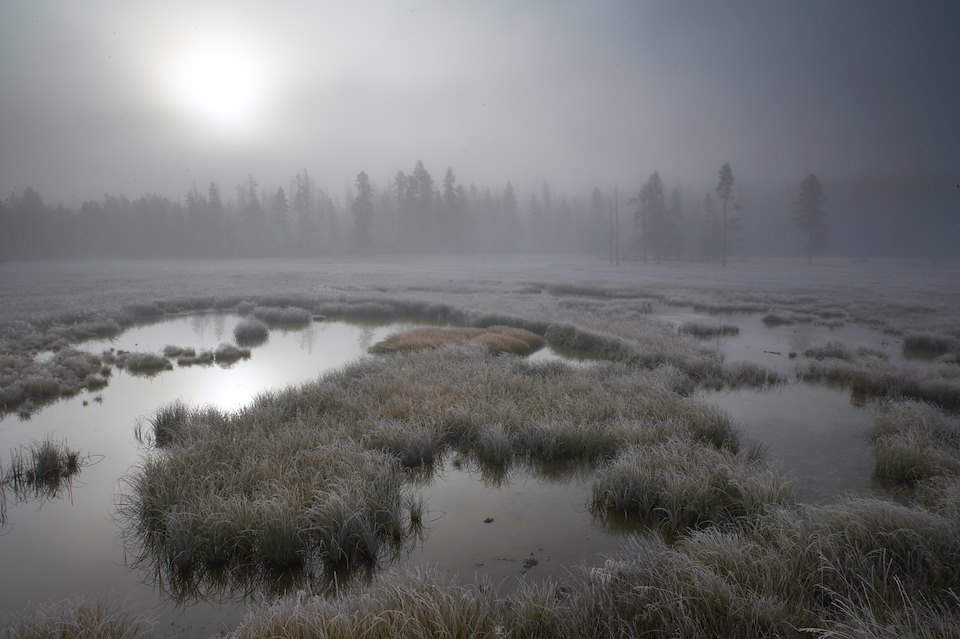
(220, 85)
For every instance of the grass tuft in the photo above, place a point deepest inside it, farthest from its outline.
(227, 354)
(42, 470)
(250, 332)
(704, 331)
(78, 619)
(143, 363)
(913, 442)
(682, 484)
(178, 351)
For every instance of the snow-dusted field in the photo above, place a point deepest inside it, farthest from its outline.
(30, 289)
(859, 313)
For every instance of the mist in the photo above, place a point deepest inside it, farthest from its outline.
(240, 130)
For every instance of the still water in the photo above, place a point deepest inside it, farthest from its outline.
(53, 549)
(539, 524)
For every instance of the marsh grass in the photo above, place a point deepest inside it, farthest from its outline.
(226, 354)
(250, 332)
(42, 470)
(495, 339)
(167, 425)
(78, 619)
(937, 384)
(683, 484)
(142, 363)
(838, 350)
(203, 358)
(937, 343)
(847, 569)
(774, 319)
(706, 331)
(914, 441)
(27, 384)
(249, 490)
(313, 476)
(174, 352)
(423, 604)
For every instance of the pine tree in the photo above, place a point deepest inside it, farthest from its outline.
(725, 193)
(362, 209)
(809, 215)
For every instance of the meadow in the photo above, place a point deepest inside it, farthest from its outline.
(309, 493)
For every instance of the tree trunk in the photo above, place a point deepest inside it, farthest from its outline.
(723, 258)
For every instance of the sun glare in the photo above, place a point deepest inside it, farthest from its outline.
(220, 86)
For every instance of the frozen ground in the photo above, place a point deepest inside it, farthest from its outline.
(32, 289)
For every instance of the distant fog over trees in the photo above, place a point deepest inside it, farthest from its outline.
(660, 218)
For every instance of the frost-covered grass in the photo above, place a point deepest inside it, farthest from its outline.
(314, 476)
(705, 331)
(250, 332)
(681, 484)
(143, 363)
(314, 473)
(174, 352)
(27, 384)
(914, 441)
(856, 567)
(496, 339)
(203, 358)
(78, 618)
(934, 383)
(227, 354)
(838, 350)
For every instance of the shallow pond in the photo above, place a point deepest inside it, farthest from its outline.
(817, 434)
(772, 345)
(540, 527)
(58, 547)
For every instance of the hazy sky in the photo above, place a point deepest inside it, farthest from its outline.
(131, 97)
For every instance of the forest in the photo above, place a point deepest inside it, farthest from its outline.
(660, 219)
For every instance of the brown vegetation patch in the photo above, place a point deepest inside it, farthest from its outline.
(496, 339)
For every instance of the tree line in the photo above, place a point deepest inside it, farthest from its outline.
(410, 213)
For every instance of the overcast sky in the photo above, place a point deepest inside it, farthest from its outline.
(134, 97)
